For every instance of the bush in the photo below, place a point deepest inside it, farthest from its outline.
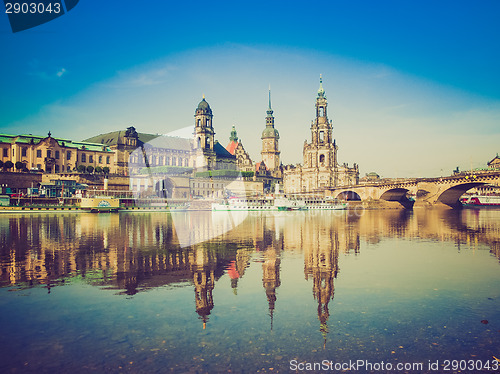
(90, 169)
(81, 168)
(19, 165)
(8, 165)
(105, 170)
(98, 169)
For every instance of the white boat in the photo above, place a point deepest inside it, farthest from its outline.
(278, 203)
(481, 200)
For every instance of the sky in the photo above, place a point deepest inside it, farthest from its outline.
(413, 88)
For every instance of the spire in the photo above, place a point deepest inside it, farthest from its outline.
(234, 136)
(269, 110)
(321, 91)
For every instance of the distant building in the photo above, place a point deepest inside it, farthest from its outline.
(54, 155)
(495, 163)
(235, 147)
(320, 169)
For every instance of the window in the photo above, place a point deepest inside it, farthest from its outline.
(68, 155)
(38, 153)
(6, 152)
(321, 136)
(107, 160)
(186, 162)
(100, 159)
(57, 155)
(174, 161)
(321, 159)
(84, 157)
(57, 168)
(39, 166)
(49, 153)
(91, 158)
(68, 168)
(24, 152)
(167, 160)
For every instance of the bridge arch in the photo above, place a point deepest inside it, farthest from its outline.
(452, 195)
(349, 196)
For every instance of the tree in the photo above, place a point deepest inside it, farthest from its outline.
(98, 169)
(19, 165)
(105, 170)
(90, 169)
(8, 165)
(81, 168)
(1, 164)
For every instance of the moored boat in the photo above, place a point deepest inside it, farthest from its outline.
(98, 204)
(481, 200)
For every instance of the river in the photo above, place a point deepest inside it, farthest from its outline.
(390, 290)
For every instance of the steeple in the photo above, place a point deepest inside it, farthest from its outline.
(321, 91)
(234, 136)
(269, 110)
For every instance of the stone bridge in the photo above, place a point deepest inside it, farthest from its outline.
(425, 191)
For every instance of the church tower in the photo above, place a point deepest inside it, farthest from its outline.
(321, 153)
(270, 136)
(204, 136)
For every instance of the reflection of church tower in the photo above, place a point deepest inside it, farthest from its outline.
(204, 135)
(322, 265)
(271, 278)
(270, 136)
(203, 268)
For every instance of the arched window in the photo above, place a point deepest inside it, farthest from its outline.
(321, 111)
(199, 142)
(321, 136)
(321, 159)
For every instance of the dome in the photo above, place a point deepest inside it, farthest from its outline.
(270, 132)
(203, 105)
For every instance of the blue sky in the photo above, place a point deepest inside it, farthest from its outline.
(413, 87)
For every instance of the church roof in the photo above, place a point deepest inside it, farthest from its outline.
(220, 151)
(270, 132)
(231, 147)
(203, 106)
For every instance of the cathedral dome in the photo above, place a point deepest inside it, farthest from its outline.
(270, 132)
(203, 105)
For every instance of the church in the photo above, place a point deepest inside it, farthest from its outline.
(320, 170)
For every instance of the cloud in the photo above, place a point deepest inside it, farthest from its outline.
(61, 72)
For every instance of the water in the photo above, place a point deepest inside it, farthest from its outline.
(85, 292)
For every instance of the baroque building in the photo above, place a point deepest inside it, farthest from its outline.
(54, 155)
(235, 147)
(320, 170)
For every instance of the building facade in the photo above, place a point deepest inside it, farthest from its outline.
(320, 169)
(54, 155)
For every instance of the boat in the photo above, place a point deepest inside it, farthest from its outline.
(477, 200)
(248, 204)
(98, 204)
(278, 203)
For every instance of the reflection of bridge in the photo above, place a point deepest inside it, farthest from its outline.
(429, 191)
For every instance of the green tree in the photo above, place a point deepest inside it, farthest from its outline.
(98, 169)
(105, 170)
(90, 169)
(8, 165)
(81, 168)
(19, 165)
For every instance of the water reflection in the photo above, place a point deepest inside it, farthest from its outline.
(133, 252)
